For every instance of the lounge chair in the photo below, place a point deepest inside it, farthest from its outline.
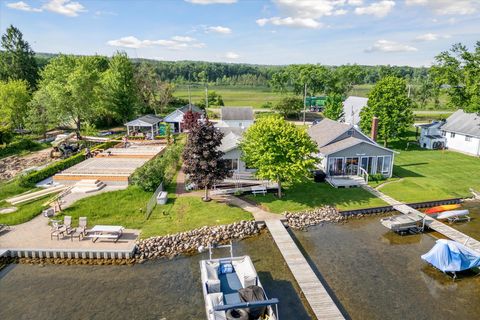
(57, 230)
(80, 231)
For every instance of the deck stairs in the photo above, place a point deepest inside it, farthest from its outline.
(346, 181)
(88, 185)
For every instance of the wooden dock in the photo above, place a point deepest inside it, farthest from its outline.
(432, 223)
(315, 293)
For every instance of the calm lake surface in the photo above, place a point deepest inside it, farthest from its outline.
(375, 274)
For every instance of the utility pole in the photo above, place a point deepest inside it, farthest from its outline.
(304, 103)
(189, 95)
(206, 96)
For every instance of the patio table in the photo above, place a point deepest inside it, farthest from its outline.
(107, 232)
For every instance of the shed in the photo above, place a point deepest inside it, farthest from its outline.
(147, 124)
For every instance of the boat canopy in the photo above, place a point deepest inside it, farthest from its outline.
(451, 256)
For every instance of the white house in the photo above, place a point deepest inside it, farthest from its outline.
(345, 151)
(235, 117)
(431, 135)
(462, 132)
(175, 118)
(352, 107)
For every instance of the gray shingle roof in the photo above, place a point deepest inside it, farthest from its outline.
(231, 138)
(327, 130)
(463, 123)
(236, 113)
(340, 145)
(149, 118)
(187, 107)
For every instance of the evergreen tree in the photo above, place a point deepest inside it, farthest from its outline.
(202, 160)
(17, 59)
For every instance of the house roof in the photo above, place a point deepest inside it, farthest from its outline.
(236, 113)
(187, 107)
(327, 130)
(428, 125)
(340, 145)
(230, 141)
(147, 120)
(463, 123)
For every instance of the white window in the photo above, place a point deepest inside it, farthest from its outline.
(452, 134)
(240, 125)
(383, 164)
(468, 138)
(444, 133)
(231, 164)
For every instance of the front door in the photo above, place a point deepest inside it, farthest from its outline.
(367, 164)
(351, 166)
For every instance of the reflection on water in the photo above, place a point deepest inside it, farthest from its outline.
(156, 290)
(377, 274)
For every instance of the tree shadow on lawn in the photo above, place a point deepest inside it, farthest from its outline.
(401, 172)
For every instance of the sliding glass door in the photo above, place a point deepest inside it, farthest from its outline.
(336, 166)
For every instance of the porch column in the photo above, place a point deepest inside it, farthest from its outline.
(153, 135)
(128, 130)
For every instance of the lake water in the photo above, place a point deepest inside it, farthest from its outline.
(374, 273)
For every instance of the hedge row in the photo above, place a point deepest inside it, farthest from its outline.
(18, 146)
(31, 178)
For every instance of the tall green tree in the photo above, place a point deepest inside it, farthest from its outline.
(279, 151)
(69, 87)
(334, 107)
(17, 59)
(119, 95)
(39, 119)
(203, 161)
(389, 102)
(14, 98)
(460, 70)
(290, 105)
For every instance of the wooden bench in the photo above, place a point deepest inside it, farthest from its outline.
(259, 189)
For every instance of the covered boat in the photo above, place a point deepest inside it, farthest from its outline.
(442, 208)
(403, 223)
(451, 256)
(232, 290)
(453, 215)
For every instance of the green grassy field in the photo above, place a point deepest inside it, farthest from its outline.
(309, 195)
(10, 189)
(24, 213)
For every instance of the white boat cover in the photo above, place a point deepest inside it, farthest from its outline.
(451, 256)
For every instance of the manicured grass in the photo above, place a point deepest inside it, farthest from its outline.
(309, 195)
(11, 188)
(24, 213)
(127, 208)
(433, 175)
(430, 116)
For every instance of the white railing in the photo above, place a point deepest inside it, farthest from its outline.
(363, 174)
(152, 203)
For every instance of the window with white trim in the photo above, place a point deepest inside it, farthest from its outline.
(452, 134)
(231, 164)
(468, 138)
(444, 133)
(384, 164)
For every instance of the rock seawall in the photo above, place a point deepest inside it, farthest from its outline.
(188, 242)
(303, 219)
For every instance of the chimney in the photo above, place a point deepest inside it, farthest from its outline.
(374, 128)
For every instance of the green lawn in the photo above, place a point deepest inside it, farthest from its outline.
(127, 208)
(309, 195)
(432, 175)
(24, 213)
(10, 189)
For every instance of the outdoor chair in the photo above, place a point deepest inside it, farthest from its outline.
(57, 230)
(80, 231)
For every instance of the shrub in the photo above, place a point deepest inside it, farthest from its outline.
(376, 177)
(31, 178)
(160, 169)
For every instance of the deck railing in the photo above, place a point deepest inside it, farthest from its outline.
(363, 173)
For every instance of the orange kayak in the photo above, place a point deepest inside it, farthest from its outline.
(445, 207)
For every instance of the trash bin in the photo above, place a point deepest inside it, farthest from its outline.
(162, 197)
(319, 176)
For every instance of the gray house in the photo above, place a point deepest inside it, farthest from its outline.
(175, 118)
(346, 152)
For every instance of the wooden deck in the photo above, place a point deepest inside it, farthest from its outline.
(315, 293)
(432, 223)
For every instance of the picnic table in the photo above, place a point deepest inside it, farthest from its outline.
(105, 232)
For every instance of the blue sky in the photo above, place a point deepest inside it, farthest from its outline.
(332, 32)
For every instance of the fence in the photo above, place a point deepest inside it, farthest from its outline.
(152, 203)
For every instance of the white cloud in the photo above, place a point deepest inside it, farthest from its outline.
(175, 43)
(448, 7)
(355, 2)
(390, 46)
(431, 37)
(218, 29)
(232, 55)
(377, 9)
(290, 22)
(105, 13)
(309, 8)
(211, 1)
(64, 7)
(20, 5)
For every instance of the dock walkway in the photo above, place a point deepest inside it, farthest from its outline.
(429, 221)
(315, 293)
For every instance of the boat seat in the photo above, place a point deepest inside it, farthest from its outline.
(230, 284)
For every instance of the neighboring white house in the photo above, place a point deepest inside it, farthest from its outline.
(431, 135)
(462, 132)
(233, 123)
(352, 107)
(344, 150)
(235, 117)
(175, 118)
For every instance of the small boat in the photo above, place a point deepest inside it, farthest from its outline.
(403, 223)
(232, 289)
(439, 209)
(453, 215)
(450, 257)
